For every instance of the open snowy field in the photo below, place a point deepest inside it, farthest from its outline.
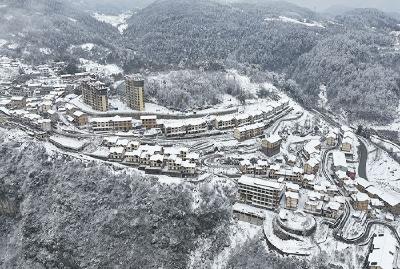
(118, 21)
(383, 170)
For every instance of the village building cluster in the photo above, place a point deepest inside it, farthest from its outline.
(292, 181)
(314, 176)
(153, 159)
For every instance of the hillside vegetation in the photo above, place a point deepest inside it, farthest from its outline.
(354, 54)
(69, 213)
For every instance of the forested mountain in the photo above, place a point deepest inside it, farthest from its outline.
(41, 29)
(61, 212)
(354, 54)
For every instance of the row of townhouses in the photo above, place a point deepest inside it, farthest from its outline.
(154, 158)
(232, 121)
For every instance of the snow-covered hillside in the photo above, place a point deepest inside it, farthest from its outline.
(118, 21)
(291, 20)
(104, 70)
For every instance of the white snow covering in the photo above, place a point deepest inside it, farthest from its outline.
(72, 19)
(383, 170)
(104, 70)
(323, 97)
(13, 46)
(120, 106)
(164, 179)
(244, 81)
(395, 125)
(291, 20)
(2, 42)
(239, 234)
(46, 51)
(67, 142)
(396, 34)
(118, 21)
(87, 46)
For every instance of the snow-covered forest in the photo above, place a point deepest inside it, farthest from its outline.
(189, 89)
(67, 213)
(354, 54)
(58, 211)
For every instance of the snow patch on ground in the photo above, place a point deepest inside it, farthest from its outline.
(14, 135)
(13, 46)
(323, 97)
(120, 105)
(104, 70)
(2, 42)
(396, 44)
(46, 51)
(164, 179)
(244, 81)
(72, 19)
(150, 107)
(67, 142)
(118, 21)
(87, 46)
(383, 170)
(122, 27)
(291, 20)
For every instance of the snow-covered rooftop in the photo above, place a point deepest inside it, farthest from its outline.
(273, 139)
(260, 183)
(339, 159)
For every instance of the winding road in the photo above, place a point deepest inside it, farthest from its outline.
(363, 153)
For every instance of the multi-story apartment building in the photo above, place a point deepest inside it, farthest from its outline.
(243, 119)
(225, 122)
(259, 168)
(134, 92)
(111, 124)
(292, 199)
(18, 102)
(311, 166)
(175, 129)
(149, 121)
(95, 94)
(293, 174)
(331, 139)
(248, 131)
(80, 118)
(117, 153)
(360, 201)
(197, 126)
(260, 192)
(45, 124)
(271, 145)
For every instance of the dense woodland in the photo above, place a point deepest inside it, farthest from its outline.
(353, 53)
(71, 214)
(185, 90)
(57, 211)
